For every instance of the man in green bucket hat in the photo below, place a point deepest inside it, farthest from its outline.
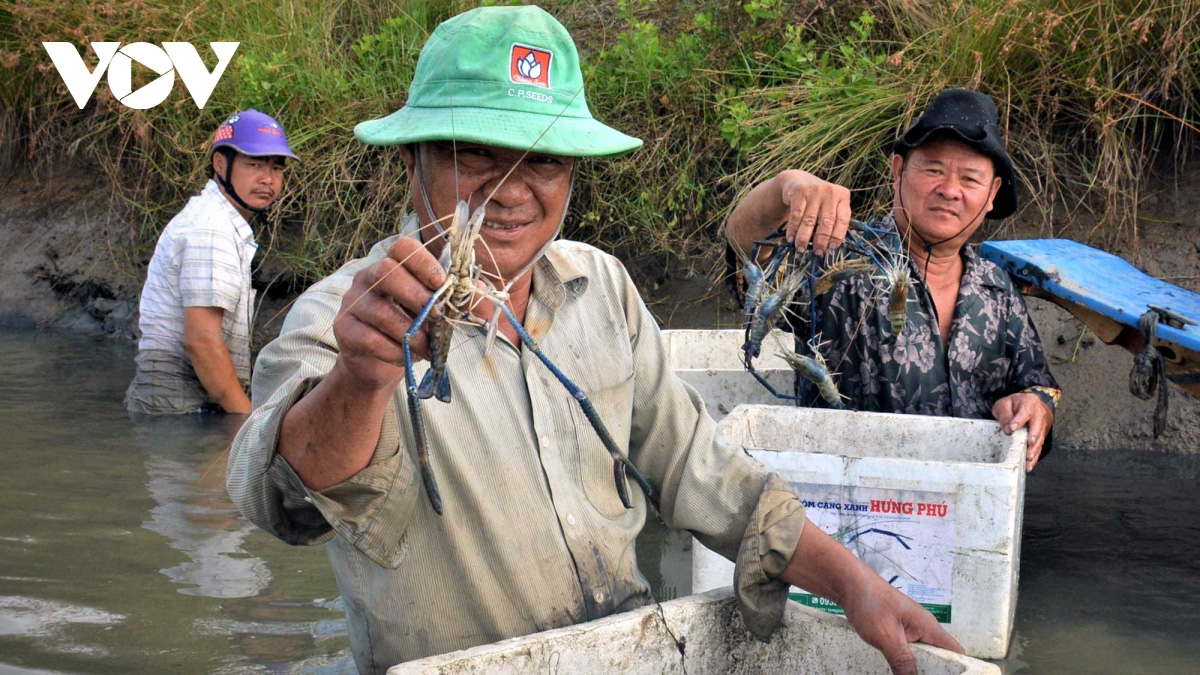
(532, 534)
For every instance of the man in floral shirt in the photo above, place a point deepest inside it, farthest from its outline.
(962, 344)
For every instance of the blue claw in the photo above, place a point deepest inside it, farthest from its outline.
(414, 410)
(622, 467)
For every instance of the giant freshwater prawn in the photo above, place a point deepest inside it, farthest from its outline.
(789, 281)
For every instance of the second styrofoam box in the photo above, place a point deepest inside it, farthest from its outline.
(934, 504)
(710, 361)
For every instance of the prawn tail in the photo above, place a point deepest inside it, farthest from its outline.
(435, 383)
(898, 310)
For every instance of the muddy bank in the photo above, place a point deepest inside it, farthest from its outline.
(59, 263)
(1097, 410)
(64, 265)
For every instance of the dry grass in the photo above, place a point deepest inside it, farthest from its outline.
(1090, 94)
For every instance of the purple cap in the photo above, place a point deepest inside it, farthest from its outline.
(254, 134)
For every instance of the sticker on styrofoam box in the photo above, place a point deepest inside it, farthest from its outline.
(906, 536)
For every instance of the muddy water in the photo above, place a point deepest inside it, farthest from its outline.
(1110, 566)
(119, 551)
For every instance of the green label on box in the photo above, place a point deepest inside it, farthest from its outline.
(940, 612)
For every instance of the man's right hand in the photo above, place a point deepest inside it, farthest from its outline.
(378, 310)
(817, 211)
(813, 211)
(888, 620)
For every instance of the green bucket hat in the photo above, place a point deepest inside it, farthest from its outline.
(503, 76)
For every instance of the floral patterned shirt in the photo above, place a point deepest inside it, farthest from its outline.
(994, 349)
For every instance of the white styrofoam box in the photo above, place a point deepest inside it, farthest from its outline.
(710, 361)
(880, 462)
(696, 635)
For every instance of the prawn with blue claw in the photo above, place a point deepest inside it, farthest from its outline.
(785, 282)
(452, 303)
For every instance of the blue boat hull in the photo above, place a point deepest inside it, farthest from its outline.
(1108, 295)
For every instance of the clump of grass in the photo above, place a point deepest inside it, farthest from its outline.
(646, 82)
(319, 66)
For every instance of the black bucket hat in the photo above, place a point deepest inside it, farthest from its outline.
(970, 117)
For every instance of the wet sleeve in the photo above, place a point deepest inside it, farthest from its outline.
(264, 486)
(704, 484)
(210, 269)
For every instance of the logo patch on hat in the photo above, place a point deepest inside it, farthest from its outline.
(273, 129)
(529, 65)
(224, 133)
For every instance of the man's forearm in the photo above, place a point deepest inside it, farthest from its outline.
(331, 433)
(756, 216)
(822, 566)
(214, 367)
(883, 616)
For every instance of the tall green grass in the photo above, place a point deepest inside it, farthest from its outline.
(723, 93)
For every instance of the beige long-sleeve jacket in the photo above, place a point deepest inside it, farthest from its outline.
(534, 535)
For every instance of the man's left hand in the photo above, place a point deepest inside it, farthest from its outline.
(884, 617)
(1018, 410)
(889, 621)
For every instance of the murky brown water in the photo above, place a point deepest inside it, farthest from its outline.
(120, 553)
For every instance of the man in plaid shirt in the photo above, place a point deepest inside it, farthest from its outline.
(194, 352)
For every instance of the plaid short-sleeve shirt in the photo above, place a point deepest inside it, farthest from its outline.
(203, 259)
